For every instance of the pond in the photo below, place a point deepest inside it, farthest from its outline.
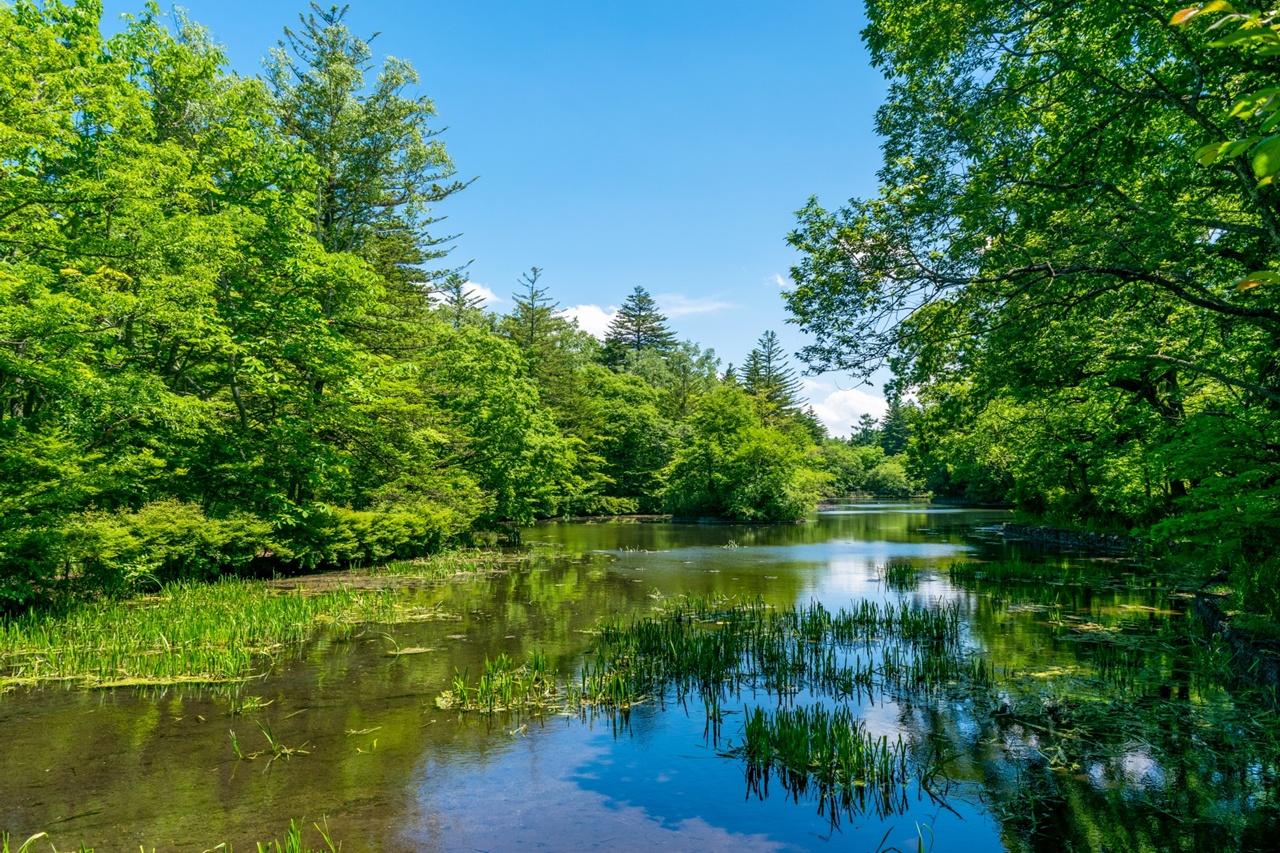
(1108, 725)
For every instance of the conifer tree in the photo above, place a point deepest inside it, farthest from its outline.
(768, 376)
(532, 318)
(381, 165)
(867, 432)
(638, 326)
(461, 304)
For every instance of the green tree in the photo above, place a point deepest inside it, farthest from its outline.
(733, 466)
(1047, 259)
(459, 302)
(769, 377)
(638, 326)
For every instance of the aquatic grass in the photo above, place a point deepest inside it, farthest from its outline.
(827, 755)
(709, 649)
(899, 575)
(186, 633)
(291, 842)
(504, 686)
(713, 647)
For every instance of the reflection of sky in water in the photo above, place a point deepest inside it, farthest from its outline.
(662, 785)
(566, 787)
(438, 782)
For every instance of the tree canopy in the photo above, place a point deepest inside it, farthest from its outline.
(1085, 312)
(231, 340)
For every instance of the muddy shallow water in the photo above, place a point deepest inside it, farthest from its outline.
(1154, 756)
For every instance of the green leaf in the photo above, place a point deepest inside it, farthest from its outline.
(1253, 34)
(1236, 147)
(1249, 104)
(1266, 157)
(1205, 155)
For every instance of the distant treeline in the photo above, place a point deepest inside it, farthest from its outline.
(229, 339)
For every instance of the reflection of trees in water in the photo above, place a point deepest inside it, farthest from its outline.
(1109, 731)
(908, 525)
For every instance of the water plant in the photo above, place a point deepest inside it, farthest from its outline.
(824, 754)
(503, 685)
(186, 633)
(900, 575)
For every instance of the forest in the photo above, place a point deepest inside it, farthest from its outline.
(231, 338)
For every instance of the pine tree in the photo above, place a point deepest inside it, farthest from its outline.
(461, 305)
(768, 376)
(895, 428)
(531, 321)
(638, 326)
(867, 432)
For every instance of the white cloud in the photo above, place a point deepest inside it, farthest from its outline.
(840, 408)
(785, 284)
(590, 318)
(486, 294)
(679, 305)
(472, 288)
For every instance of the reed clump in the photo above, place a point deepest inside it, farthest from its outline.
(827, 755)
(899, 575)
(502, 685)
(716, 649)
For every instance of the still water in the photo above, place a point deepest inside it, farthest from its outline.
(1131, 746)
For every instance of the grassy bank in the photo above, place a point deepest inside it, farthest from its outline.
(209, 633)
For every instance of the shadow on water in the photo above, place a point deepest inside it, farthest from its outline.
(1106, 728)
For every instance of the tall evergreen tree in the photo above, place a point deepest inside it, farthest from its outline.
(638, 326)
(460, 304)
(381, 165)
(867, 432)
(895, 428)
(532, 318)
(769, 377)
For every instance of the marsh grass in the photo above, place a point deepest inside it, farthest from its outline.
(502, 685)
(826, 755)
(187, 633)
(291, 842)
(716, 649)
(899, 575)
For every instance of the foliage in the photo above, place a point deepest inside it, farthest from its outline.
(734, 466)
(1086, 315)
(222, 344)
(768, 377)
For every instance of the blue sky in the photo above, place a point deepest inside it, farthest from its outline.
(649, 142)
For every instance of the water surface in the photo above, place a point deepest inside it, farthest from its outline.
(1132, 747)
